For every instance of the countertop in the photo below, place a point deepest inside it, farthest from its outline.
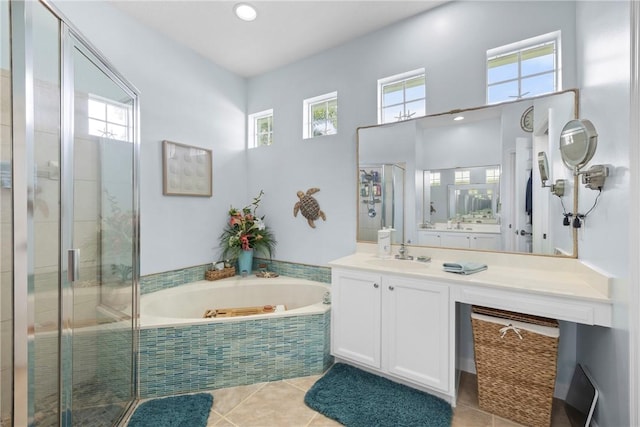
(548, 280)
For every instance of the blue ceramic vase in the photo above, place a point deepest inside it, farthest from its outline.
(245, 261)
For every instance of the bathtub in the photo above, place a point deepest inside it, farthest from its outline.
(186, 304)
(182, 352)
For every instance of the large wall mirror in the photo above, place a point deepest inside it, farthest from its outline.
(469, 178)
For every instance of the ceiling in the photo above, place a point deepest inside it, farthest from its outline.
(284, 32)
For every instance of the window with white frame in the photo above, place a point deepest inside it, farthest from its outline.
(260, 129)
(434, 179)
(492, 176)
(109, 119)
(524, 69)
(462, 177)
(402, 96)
(320, 115)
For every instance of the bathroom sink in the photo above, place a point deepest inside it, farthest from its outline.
(398, 264)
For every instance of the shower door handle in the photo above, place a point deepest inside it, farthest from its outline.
(73, 265)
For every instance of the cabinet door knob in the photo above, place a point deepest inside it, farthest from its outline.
(391, 288)
(375, 285)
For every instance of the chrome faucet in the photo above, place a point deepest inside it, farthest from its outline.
(403, 253)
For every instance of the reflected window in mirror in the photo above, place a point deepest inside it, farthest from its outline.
(492, 176)
(523, 69)
(401, 97)
(462, 177)
(434, 179)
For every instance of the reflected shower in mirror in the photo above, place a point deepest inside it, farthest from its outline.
(381, 201)
(470, 183)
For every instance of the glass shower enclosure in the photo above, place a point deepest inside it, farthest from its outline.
(69, 225)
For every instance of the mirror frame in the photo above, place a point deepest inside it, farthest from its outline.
(576, 111)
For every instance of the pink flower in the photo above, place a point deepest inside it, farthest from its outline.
(244, 240)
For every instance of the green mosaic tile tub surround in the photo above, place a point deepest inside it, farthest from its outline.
(169, 279)
(208, 356)
(191, 358)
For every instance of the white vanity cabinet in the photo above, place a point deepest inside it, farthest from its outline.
(460, 239)
(398, 326)
(355, 317)
(429, 238)
(488, 241)
(415, 330)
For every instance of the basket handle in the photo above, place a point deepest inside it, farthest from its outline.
(509, 327)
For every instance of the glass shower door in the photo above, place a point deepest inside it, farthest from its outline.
(103, 238)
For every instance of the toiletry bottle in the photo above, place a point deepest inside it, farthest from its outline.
(384, 243)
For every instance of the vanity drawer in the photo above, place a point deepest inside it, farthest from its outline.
(587, 312)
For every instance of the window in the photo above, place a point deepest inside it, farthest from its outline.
(492, 176)
(320, 115)
(260, 129)
(524, 69)
(462, 177)
(434, 179)
(401, 97)
(109, 119)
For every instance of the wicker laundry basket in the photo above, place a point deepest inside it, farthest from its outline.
(516, 357)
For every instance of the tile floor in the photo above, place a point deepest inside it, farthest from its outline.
(281, 404)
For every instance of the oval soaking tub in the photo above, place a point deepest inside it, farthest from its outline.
(182, 352)
(187, 303)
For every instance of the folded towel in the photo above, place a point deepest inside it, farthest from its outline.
(463, 267)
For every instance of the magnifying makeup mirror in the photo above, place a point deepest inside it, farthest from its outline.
(578, 142)
(543, 166)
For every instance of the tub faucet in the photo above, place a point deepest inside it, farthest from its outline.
(326, 298)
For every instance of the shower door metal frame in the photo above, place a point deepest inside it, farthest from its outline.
(23, 111)
(22, 99)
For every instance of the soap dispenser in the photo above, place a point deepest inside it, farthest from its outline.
(384, 242)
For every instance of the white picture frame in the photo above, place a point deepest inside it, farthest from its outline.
(187, 170)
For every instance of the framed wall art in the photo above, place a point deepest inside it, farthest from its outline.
(186, 170)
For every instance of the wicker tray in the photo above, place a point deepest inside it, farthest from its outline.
(220, 274)
(516, 377)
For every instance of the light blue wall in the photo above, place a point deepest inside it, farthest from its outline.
(604, 73)
(187, 99)
(184, 98)
(450, 42)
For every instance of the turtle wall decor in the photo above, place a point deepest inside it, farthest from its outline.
(309, 207)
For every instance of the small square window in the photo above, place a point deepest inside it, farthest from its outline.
(109, 119)
(260, 129)
(524, 69)
(492, 176)
(401, 97)
(462, 177)
(320, 115)
(434, 179)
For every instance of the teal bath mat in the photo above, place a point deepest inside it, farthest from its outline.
(359, 399)
(189, 410)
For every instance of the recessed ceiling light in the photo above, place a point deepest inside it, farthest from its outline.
(245, 11)
(458, 118)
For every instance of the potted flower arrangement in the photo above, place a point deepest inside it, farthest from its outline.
(246, 233)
